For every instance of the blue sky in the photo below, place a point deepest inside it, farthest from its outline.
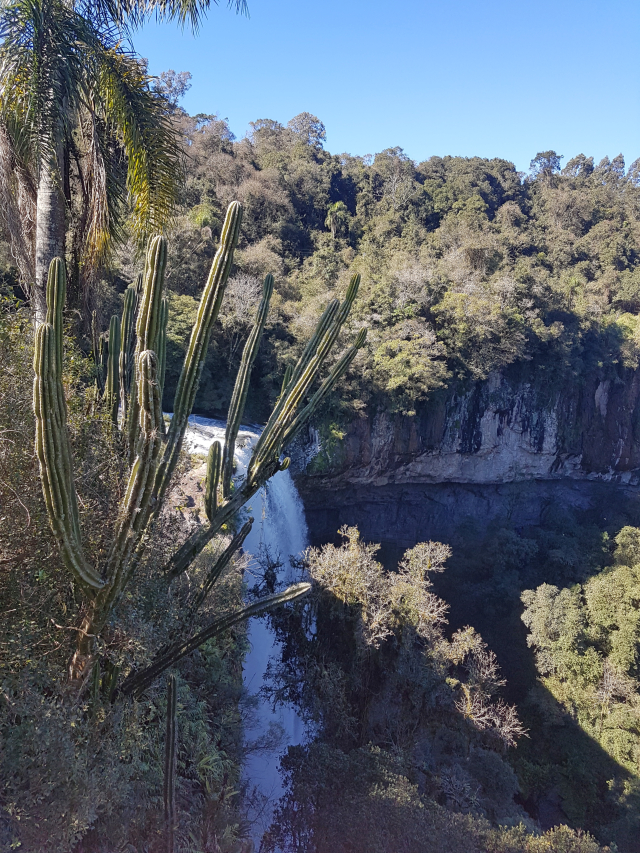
(493, 79)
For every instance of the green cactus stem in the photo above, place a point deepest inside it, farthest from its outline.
(135, 507)
(337, 372)
(239, 397)
(54, 455)
(56, 297)
(147, 330)
(220, 565)
(197, 351)
(170, 761)
(288, 373)
(127, 345)
(265, 458)
(212, 480)
(162, 343)
(271, 441)
(96, 348)
(138, 682)
(112, 385)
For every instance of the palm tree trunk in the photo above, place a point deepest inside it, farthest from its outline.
(50, 222)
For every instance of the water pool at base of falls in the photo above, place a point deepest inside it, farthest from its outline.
(280, 531)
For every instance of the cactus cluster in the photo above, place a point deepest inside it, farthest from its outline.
(130, 369)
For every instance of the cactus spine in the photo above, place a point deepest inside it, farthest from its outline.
(170, 760)
(239, 398)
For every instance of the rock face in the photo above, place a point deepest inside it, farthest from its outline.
(496, 432)
(455, 457)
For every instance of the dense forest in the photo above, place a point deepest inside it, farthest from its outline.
(467, 267)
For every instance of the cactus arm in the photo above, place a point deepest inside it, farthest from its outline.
(148, 322)
(162, 343)
(137, 683)
(56, 297)
(147, 330)
(309, 351)
(96, 350)
(270, 444)
(338, 371)
(196, 353)
(187, 553)
(212, 481)
(135, 507)
(127, 345)
(239, 397)
(288, 373)
(54, 456)
(170, 755)
(112, 385)
(220, 565)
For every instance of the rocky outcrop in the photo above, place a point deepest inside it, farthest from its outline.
(499, 452)
(497, 431)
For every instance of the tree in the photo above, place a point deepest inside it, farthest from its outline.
(545, 165)
(78, 118)
(308, 129)
(337, 218)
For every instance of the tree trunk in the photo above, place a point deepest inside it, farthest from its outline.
(50, 224)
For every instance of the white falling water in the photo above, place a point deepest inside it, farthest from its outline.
(280, 529)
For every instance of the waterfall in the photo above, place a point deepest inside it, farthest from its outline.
(280, 530)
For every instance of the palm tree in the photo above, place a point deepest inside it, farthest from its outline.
(84, 140)
(337, 218)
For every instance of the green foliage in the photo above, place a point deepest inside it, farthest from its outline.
(376, 669)
(586, 640)
(468, 268)
(372, 806)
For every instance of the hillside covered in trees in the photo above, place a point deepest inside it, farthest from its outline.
(468, 267)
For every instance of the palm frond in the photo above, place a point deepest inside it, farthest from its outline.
(139, 119)
(136, 12)
(17, 208)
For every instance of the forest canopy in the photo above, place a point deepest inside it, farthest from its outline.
(468, 265)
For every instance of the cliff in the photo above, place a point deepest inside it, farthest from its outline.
(470, 453)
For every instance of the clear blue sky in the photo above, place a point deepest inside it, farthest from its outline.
(493, 79)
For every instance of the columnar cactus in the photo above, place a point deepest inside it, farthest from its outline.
(128, 343)
(212, 481)
(112, 384)
(52, 440)
(199, 344)
(162, 342)
(239, 398)
(135, 380)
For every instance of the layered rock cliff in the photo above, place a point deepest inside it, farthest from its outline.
(453, 460)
